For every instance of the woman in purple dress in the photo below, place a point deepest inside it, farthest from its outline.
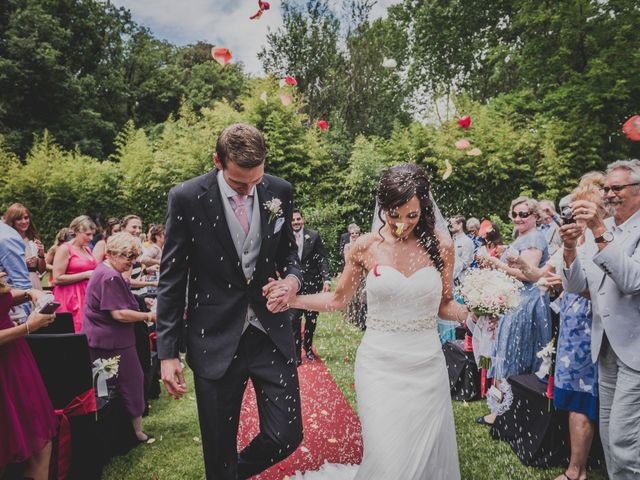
(27, 419)
(110, 311)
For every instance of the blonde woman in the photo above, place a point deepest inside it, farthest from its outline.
(73, 265)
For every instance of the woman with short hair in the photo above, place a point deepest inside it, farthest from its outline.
(110, 312)
(99, 251)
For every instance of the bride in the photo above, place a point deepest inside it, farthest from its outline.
(401, 381)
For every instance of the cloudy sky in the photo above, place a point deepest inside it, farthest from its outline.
(221, 22)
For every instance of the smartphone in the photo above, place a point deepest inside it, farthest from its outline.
(49, 308)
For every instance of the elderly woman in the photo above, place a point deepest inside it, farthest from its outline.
(19, 217)
(109, 314)
(27, 419)
(522, 333)
(73, 264)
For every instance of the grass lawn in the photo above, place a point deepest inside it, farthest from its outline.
(177, 455)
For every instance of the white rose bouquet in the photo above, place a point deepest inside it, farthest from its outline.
(488, 293)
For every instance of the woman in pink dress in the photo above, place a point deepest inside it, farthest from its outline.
(27, 420)
(73, 265)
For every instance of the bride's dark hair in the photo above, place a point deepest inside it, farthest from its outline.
(400, 184)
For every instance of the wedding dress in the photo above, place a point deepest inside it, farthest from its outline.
(402, 385)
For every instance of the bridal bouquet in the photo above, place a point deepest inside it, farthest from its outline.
(488, 293)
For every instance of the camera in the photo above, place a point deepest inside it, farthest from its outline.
(567, 215)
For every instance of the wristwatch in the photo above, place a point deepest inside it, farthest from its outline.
(606, 237)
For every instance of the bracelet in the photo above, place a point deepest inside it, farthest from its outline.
(26, 324)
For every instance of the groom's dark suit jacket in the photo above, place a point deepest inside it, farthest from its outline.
(198, 248)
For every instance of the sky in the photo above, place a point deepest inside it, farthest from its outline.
(224, 23)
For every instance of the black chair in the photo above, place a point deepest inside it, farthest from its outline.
(538, 433)
(464, 377)
(62, 324)
(65, 367)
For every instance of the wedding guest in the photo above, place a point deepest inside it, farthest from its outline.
(607, 265)
(63, 235)
(575, 374)
(473, 232)
(315, 278)
(354, 233)
(13, 263)
(525, 331)
(73, 265)
(27, 419)
(132, 224)
(464, 247)
(550, 225)
(19, 217)
(152, 254)
(110, 311)
(99, 251)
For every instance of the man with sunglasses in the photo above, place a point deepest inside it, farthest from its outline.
(607, 266)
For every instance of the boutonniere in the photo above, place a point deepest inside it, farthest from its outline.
(307, 236)
(274, 206)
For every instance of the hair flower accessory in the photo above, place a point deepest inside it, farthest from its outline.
(274, 206)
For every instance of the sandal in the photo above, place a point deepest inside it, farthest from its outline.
(150, 439)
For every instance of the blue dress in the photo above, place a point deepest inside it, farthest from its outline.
(522, 333)
(576, 376)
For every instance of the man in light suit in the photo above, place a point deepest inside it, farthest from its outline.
(607, 265)
(228, 234)
(315, 274)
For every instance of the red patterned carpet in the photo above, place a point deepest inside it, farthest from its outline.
(331, 428)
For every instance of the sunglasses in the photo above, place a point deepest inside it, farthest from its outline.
(131, 256)
(515, 215)
(617, 188)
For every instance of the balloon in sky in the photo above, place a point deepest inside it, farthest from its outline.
(221, 55)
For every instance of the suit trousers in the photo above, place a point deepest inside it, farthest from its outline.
(619, 389)
(275, 380)
(309, 328)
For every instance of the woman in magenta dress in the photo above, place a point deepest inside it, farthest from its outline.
(73, 265)
(27, 419)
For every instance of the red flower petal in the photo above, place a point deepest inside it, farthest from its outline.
(286, 99)
(221, 55)
(375, 270)
(322, 125)
(465, 122)
(463, 144)
(631, 128)
(256, 15)
(289, 80)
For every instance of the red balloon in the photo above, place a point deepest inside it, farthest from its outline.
(631, 128)
(465, 122)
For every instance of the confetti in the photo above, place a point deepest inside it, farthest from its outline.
(631, 128)
(196, 439)
(448, 171)
(465, 122)
(288, 80)
(389, 63)
(474, 152)
(221, 55)
(399, 228)
(332, 440)
(463, 144)
(262, 7)
(286, 99)
(324, 412)
(322, 125)
(263, 97)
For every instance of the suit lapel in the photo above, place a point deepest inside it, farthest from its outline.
(266, 228)
(306, 244)
(211, 200)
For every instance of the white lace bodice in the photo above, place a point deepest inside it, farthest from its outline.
(403, 304)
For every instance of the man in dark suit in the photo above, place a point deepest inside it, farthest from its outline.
(315, 278)
(228, 233)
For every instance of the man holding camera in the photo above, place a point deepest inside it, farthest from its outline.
(607, 265)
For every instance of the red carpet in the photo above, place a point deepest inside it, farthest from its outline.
(331, 428)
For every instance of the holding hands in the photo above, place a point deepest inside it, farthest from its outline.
(280, 293)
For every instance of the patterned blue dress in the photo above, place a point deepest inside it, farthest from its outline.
(521, 334)
(576, 376)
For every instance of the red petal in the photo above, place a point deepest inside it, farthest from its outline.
(263, 5)
(289, 80)
(322, 125)
(631, 128)
(221, 55)
(465, 122)
(286, 99)
(463, 144)
(256, 15)
(375, 271)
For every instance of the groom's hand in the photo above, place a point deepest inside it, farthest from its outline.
(172, 377)
(280, 293)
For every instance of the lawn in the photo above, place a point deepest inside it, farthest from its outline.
(176, 454)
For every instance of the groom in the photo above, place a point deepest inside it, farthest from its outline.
(227, 233)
